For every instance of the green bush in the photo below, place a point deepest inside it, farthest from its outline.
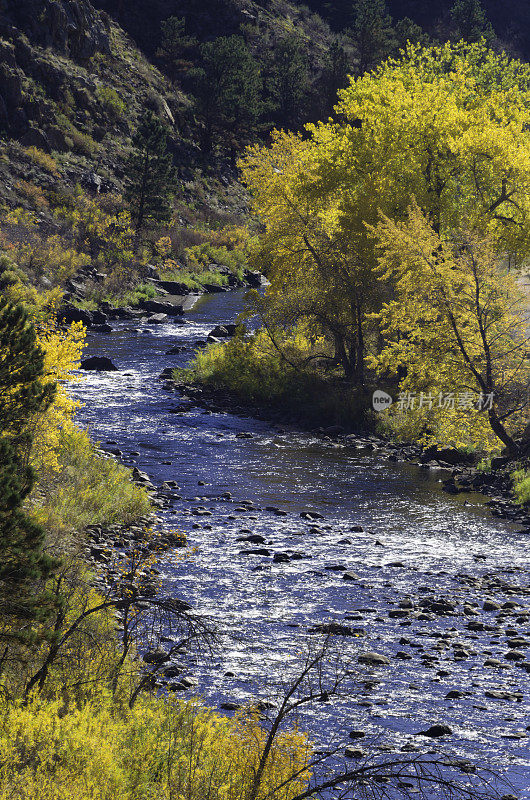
(76, 140)
(144, 291)
(201, 256)
(254, 370)
(88, 489)
(111, 101)
(194, 280)
(521, 486)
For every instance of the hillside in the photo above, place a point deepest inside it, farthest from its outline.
(77, 76)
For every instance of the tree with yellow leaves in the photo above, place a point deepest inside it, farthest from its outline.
(62, 353)
(448, 127)
(456, 329)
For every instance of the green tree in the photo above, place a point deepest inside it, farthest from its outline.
(334, 76)
(288, 82)
(24, 393)
(372, 32)
(175, 47)
(406, 30)
(150, 173)
(228, 90)
(469, 22)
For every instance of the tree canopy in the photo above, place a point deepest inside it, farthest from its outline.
(445, 128)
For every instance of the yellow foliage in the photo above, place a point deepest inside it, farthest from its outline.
(105, 237)
(163, 246)
(448, 126)
(50, 258)
(34, 193)
(457, 327)
(168, 749)
(21, 217)
(62, 353)
(86, 489)
(43, 159)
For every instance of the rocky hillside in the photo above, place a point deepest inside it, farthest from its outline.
(71, 82)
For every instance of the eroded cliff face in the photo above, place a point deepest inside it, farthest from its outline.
(71, 83)
(71, 27)
(39, 37)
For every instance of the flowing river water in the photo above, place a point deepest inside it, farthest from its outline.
(388, 523)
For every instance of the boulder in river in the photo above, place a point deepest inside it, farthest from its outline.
(230, 705)
(161, 307)
(333, 629)
(157, 656)
(98, 364)
(354, 752)
(157, 319)
(373, 659)
(435, 731)
(223, 331)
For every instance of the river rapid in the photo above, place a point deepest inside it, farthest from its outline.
(389, 523)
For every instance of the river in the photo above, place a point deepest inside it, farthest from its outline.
(389, 523)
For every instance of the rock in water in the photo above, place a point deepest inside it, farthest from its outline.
(99, 364)
(435, 731)
(373, 659)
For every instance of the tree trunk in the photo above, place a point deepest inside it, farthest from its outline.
(500, 431)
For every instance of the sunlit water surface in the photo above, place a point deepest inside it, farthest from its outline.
(263, 609)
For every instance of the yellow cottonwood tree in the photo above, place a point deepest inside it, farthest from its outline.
(448, 126)
(456, 328)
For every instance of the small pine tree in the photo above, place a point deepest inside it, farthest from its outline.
(150, 173)
(24, 393)
(469, 22)
(175, 47)
(372, 33)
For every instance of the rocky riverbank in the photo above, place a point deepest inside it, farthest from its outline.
(170, 300)
(457, 470)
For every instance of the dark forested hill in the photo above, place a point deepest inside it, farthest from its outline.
(75, 75)
(510, 18)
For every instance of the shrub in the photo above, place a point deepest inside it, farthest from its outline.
(80, 142)
(201, 256)
(252, 368)
(521, 486)
(162, 748)
(33, 193)
(87, 488)
(255, 370)
(83, 143)
(194, 280)
(111, 101)
(42, 159)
